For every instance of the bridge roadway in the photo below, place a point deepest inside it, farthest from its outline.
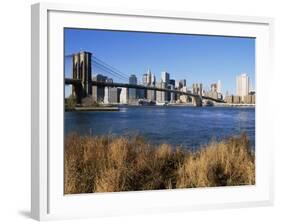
(69, 81)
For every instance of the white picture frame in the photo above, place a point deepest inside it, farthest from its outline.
(47, 198)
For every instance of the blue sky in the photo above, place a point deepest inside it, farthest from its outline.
(196, 58)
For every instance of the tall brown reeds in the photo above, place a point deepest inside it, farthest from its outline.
(111, 164)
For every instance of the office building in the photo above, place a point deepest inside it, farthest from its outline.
(242, 86)
(161, 95)
(150, 81)
(165, 76)
(133, 79)
(180, 83)
(229, 98)
(237, 99)
(172, 95)
(109, 80)
(144, 79)
(219, 88)
(183, 82)
(98, 91)
(250, 99)
(151, 95)
(132, 97)
(172, 82)
(214, 87)
(124, 96)
(153, 80)
(110, 95)
(118, 94)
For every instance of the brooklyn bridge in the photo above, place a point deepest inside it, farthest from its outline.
(82, 80)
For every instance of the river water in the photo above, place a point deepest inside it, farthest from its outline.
(189, 127)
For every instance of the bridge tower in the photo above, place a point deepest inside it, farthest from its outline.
(82, 70)
(197, 88)
(197, 101)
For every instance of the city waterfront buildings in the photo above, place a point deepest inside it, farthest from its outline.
(234, 99)
(110, 95)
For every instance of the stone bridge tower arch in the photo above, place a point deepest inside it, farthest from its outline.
(82, 70)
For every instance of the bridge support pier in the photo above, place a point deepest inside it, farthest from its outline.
(78, 93)
(197, 101)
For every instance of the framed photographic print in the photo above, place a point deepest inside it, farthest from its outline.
(148, 111)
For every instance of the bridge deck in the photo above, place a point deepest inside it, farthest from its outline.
(69, 81)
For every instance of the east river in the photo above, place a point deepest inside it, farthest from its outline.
(189, 127)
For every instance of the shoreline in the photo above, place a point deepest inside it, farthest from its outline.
(117, 107)
(102, 108)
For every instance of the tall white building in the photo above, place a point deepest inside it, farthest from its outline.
(124, 95)
(219, 90)
(110, 95)
(242, 85)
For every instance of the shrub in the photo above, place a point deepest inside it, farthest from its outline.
(110, 164)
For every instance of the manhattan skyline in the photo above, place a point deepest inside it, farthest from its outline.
(196, 58)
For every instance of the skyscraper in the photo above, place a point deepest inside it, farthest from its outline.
(161, 95)
(149, 77)
(150, 81)
(214, 87)
(124, 95)
(165, 77)
(110, 95)
(98, 91)
(133, 79)
(180, 83)
(144, 79)
(242, 85)
(153, 80)
(219, 90)
(132, 92)
(172, 95)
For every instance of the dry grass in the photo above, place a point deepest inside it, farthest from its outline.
(110, 164)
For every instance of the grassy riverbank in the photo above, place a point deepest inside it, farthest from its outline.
(110, 164)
